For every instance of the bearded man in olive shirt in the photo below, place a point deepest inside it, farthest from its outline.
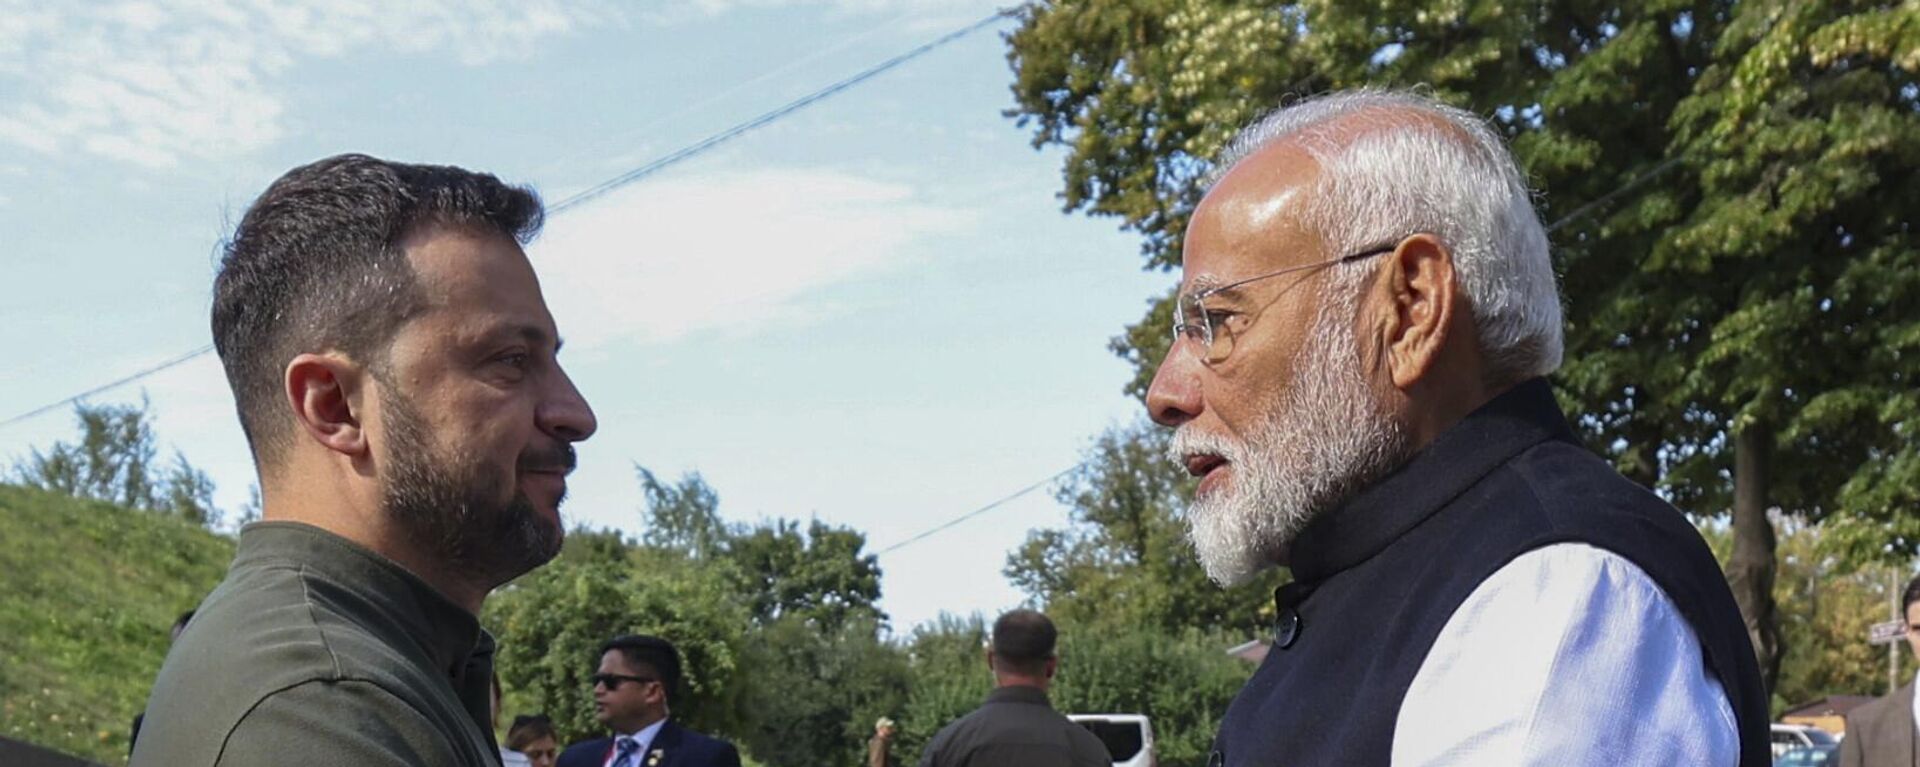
(394, 366)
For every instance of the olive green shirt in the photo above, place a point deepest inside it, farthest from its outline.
(315, 651)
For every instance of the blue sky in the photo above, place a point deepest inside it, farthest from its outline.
(872, 312)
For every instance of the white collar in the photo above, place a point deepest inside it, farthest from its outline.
(644, 738)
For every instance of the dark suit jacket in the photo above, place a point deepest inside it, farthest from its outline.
(678, 747)
(1881, 733)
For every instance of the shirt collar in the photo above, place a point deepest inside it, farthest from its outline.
(1361, 527)
(1018, 693)
(1916, 701)
(394, 597)
(646, 736)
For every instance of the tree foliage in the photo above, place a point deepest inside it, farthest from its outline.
(551, 623)
(114, 461)
(1182, 681)
(784, 646)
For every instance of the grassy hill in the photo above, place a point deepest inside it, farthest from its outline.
(88, 591)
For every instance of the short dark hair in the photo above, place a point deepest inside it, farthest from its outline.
(1023, 640)
(315, 265)
(527, 728)
(1911, 596)
(651, 652)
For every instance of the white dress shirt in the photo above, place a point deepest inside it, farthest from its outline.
(1569, 655)
(645, 740)
(1916, 703)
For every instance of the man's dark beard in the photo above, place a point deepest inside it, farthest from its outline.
(448, 510)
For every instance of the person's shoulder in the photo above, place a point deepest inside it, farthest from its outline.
(586, 753)
(249, 639)
(701, 740)
(1087, 747)
(349, 721)
(704, 749)
(1896, 703)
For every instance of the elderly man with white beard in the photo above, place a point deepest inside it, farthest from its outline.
(1366, 315)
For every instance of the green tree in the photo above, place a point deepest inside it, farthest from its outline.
(810, 631)
(817, 575)
(1125, 560)
(684, 516)
(1749, 355)
(551, 623)
(947, 659)
(814, 694)
(113, 461)
(1182, 681)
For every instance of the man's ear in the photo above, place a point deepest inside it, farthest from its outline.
(1053, 665)
(324, 391)
(1420, 294)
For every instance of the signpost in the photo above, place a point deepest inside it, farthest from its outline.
(1889, 632)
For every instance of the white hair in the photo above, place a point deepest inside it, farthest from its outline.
(1384, 177)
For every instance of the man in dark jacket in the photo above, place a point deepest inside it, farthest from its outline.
(1883, 733)
(1017, 727)
(631, 692)
(1365, 320)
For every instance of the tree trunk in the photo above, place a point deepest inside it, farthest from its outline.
(1751, 568)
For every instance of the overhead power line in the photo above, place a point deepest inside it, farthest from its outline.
(788, 108)
(180, 360)
(1608, 197)
(677, 156)
(977, 512)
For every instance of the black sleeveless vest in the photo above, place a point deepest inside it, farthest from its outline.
(1377, 579)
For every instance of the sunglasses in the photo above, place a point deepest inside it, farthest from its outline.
(613, 681)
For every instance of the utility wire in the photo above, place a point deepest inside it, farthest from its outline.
(655, 166)
(180, 360)
(1605, 198)
(790, 107)
(977, 512)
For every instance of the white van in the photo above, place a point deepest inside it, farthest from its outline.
(1129, 737)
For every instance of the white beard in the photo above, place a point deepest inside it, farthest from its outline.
(1325, 436)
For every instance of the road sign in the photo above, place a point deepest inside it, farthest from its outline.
(1886, 633)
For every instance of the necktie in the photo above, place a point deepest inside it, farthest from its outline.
(624, 750)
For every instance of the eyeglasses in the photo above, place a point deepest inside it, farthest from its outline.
(613, 681)
(1194, 322)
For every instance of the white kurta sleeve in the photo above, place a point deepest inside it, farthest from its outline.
(1569, 655)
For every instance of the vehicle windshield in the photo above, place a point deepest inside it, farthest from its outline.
(1123, 739)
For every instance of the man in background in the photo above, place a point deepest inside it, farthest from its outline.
(394, 366)
(1883, 733)
(1017, 726)
(633, 689)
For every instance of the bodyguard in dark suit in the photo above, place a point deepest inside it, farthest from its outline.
(1882, 733)
(631, 693)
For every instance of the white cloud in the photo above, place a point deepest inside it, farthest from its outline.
(724, 252)
(151, 84)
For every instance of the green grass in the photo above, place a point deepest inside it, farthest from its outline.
(88, 591)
